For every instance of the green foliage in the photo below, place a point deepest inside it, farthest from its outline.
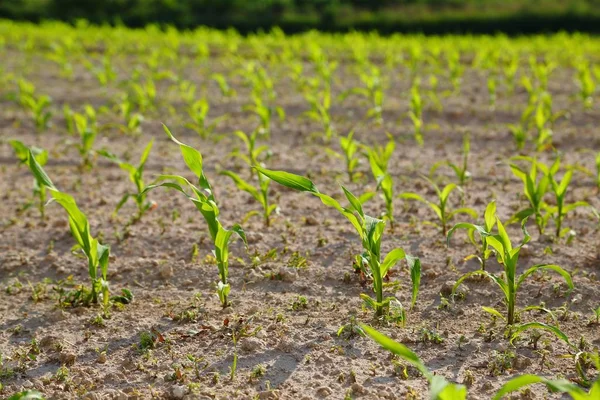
(460, 170)
(136, 176)
(379, 158)
(41, 156)
(369, 229)
(96, 253)
(416, 111)
(203, 198)
(483, 232)
(350, 149)
(509, 284)
(441, 206)
(198, 112)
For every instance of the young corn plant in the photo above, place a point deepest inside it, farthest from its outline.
(96, 253)
(416, 112)
(38, 107)
(535, 187)
(203, 198)
(264, 114)
(86, 127)
(485, 230)
(370, 231)
(254, 153)
(510, 282)
(372, 89)
(198, 112)
(586, 84)
(136, 176)
(441, 206)
(226, 90)
(41, 156)
(441, 389)
(460, 170)
(320, 111)
(350, 149)
(559, 189)
(260, 193)
(456, 70)
(492, 90)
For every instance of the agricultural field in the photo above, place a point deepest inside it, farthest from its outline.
(162, 234)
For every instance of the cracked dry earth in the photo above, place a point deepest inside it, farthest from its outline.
(294, 286)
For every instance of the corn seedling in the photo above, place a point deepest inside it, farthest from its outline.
(535, 186)
(586, 84)
(484, 231)
(260, 193)
(105, 73)
(253, 152)
(461, 171)
(372, 90)
(455, 69)
(198, 112)
(38, 107)
(559, 189)
(370, 231)
(508, 256)
(224, 87)
(320, 111)
(264, 114)
(136, 177)
(96, 253)
(350, 148)
(41, 156)
(416, 112)
(441, 206)
(492, 92)
(379, 158)
(203, 198)
(85, 125)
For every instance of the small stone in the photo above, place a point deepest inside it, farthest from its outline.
(56, 315)
(67, 358)
(178, 391)
(526, 251)
(101, 358)
(357, 388)
(251, 344)
(311, 221)
(323, 391)
(287, 274)
(520, 363)
(50, 342)
(27, 384)
(324, 359)
(269, 394)
(91, 396)
(165, 271)
(446, 289)
(254, 237)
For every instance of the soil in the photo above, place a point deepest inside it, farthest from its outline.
(293, 350)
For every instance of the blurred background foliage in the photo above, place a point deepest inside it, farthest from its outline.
(385, 16)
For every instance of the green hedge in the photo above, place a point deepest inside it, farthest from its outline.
(385, 16)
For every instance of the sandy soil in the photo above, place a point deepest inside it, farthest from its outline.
(293, 350)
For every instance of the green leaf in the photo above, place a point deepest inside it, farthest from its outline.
(391, 259)
(552, 267)
(397, 349)
(288, 179)
(490, 216)
(414, 264)
(354, 202)
(539, 325)
(38, 172)
(243, 185)
(494, 312)
(519, 382)
(191, 156)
